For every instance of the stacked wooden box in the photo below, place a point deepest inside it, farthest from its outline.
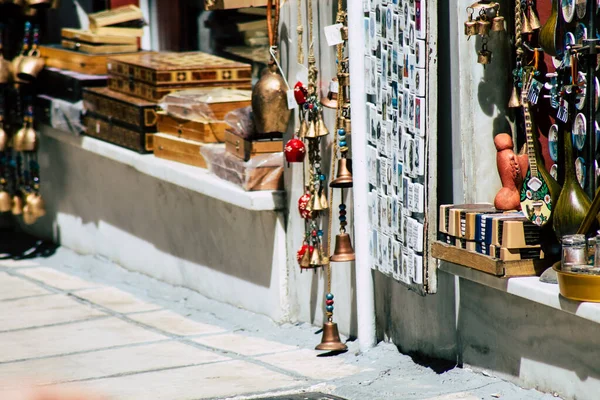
(482, 229)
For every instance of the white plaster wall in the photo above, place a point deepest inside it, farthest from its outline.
(102, 207)
(307, 289)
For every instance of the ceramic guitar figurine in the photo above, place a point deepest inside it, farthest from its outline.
(509, 197)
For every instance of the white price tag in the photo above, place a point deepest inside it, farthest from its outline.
(333, 34)
(334, 87)
(291, 100)
(302, 74)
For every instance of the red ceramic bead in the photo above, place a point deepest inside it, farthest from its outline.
(329, 302)
(303, 204)
(342, 213)
(294, 150)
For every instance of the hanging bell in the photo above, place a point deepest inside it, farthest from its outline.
(331, 100)
(317, 205)
(483, 27)
(17, 205)
(330, 340)
(305, 260)
(484, 57)
(323, 199)
(269, 103)
(29, 216)
(498, 24)
(343, 249)
(25, 139)
(37, 204)
(471, 28)
(311, 133)
(315, 258)
(514, 101)
(5, 70)
(526, 25)
(303, 128)
(320, 127)
(534, 20)
(5, 201)
(3, 138)
(324, 259)
(343, 178)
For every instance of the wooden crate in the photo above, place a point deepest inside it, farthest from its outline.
(180, 150)
(206, 132)
(504, 269)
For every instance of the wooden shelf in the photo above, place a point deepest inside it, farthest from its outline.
(493, 266)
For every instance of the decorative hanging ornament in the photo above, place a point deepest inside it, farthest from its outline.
(483, 17)
(295, 151)
(304, 206)
(300, 93)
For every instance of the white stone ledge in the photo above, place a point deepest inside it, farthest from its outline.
(192, 178)
(529, 288)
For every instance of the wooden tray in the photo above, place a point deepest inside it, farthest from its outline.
(504, 269)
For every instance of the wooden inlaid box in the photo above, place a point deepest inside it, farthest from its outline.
(184, 151)
(58, 57)
(101, 128)
(246, 149)
(154, 75)
(206, 132)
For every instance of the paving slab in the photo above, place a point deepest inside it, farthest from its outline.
(105, 363)
(176, 324)
(34, 311)
(245, 345)
(18, 263)
(13, 287)
(71, 338)
(116, 300)
(57, 279)
(200, 382)
(306, 362)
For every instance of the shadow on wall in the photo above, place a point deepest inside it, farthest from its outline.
(173, 219)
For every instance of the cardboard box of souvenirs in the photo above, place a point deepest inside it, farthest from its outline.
(129, 111)
(263, 172)
(154, 75)
(58, 57)
(67, 85)
(245, 149)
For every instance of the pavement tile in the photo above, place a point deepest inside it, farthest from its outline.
(305, 362)
(57, 279)
(206, 381)
(245, 345)
(34, 311)
(105, 363)
(76, 337)
(18, 263)
(12, 287)
(116, 300)
(174, 323)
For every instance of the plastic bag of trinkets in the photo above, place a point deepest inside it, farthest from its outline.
(261, 172)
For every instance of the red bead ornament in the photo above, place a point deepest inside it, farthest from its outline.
(303, 250)
(303, 206)
(294, 151)
(300, 93)
(329, 302)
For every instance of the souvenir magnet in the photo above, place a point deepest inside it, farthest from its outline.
(405, 187)
(378, 19)
(369, 85)
(397, 259)
(419, 157)
(553, 142)
(420, 46)
(420, 19)
(420, 82)
(420, 115)
(372, 32)
(568, 10)
(580, 8)
(367, 34)
(389, 20)
(580, 33)
(418, 269)
(404, 273)
(580, 170)
(400, 182)
(579, 131)
(411, 36)
(554, 171)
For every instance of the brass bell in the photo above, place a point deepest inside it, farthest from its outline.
(25, 139)
(269, 103)
(303, 129)
(344, 32)
(311, 133)
(30, 66)
(5, 201)
(343, 249)
(498, 24)
(315, 258)
(14, 67)
(17, 205)
(3, 138)
(320, 127)
(343, 178)
(330, 340)
(331, 100)
(37, 204)
(514, 101)
(5, 70)
(471, 28)
(534, 20)
(347, 126)
(317, 205)
(343, 79)
(324, 259)
(484, 57)
(323, 200)
(526, 25)
(29, 216)
(305, 261)
(483, 27)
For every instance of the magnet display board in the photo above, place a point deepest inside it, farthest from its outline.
(399, 62)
